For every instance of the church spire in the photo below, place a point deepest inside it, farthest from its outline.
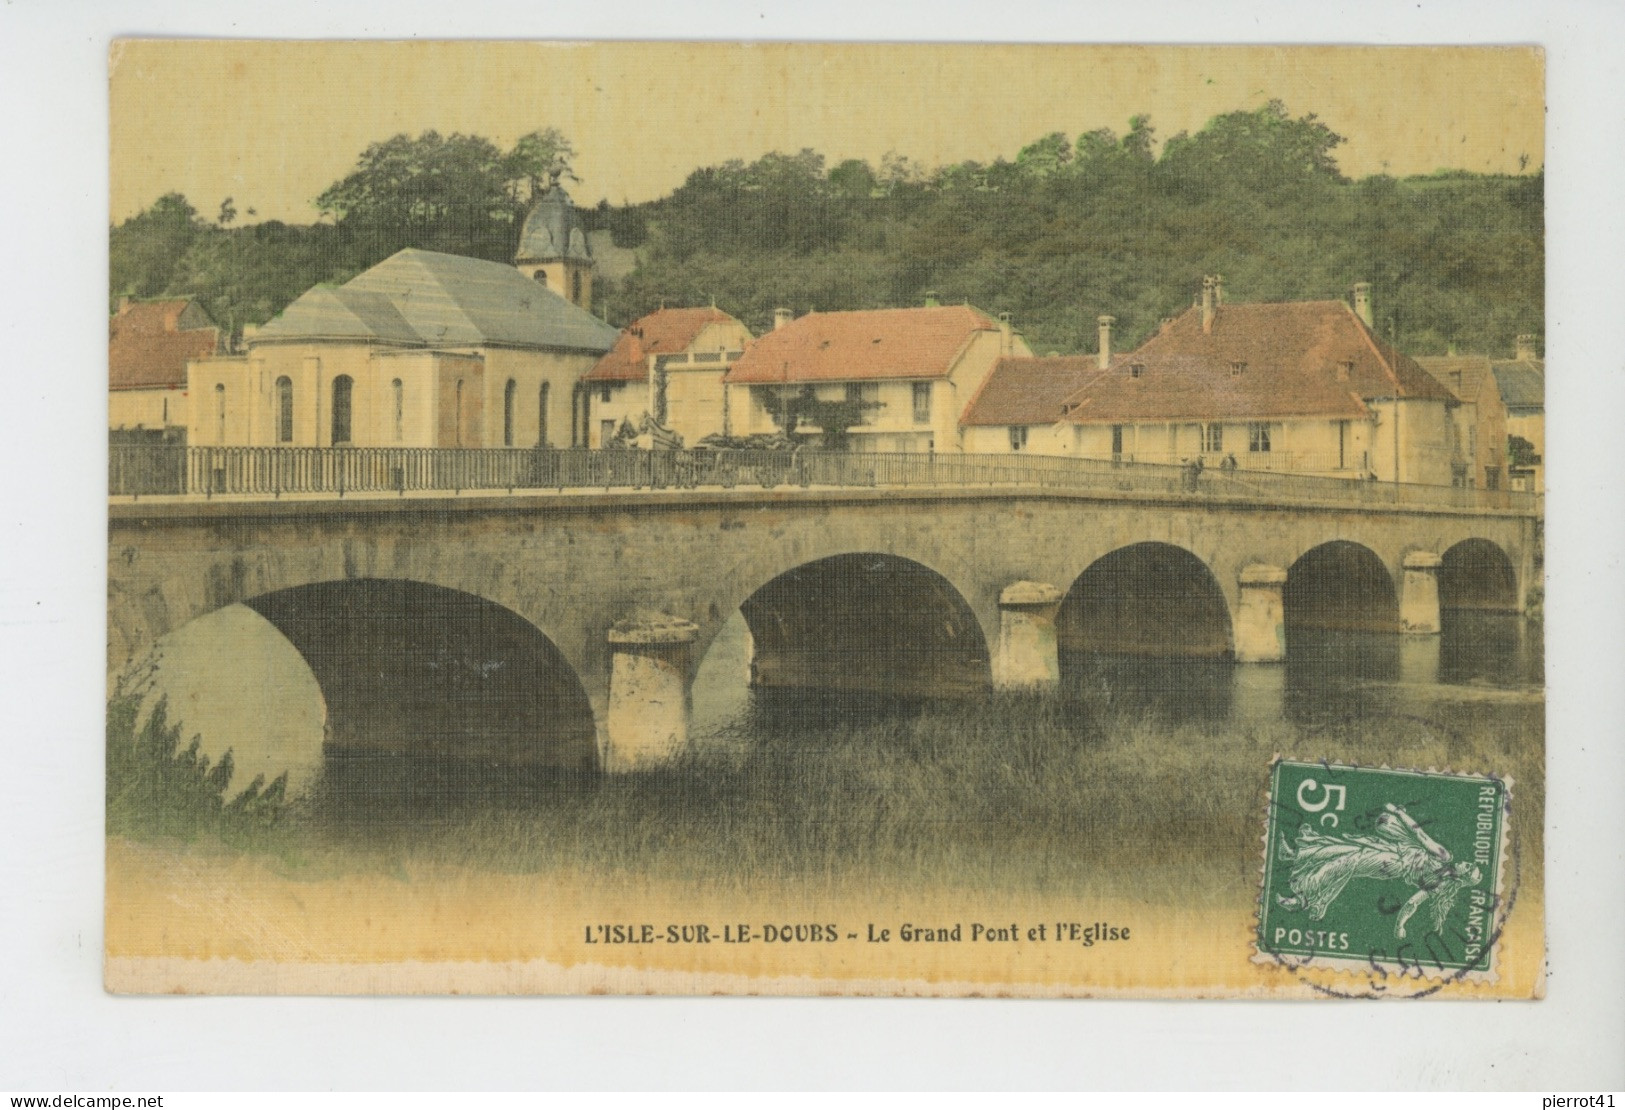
(553, 247)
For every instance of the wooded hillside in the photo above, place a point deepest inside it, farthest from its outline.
(1073, 228)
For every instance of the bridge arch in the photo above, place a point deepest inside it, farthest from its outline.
(1477, 574)
(866, 622)
(1150, 599)
(425, 670)
(1340, 585)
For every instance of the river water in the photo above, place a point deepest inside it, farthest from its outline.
(1483, 668)
(1328, 676)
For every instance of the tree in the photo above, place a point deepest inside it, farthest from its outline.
(437, 193)
(539, 155)
(1264, 152)
(853, 179)
(790, 408)
(1048, 155)
(145, 249)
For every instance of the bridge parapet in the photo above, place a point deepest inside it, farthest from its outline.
(157, 471)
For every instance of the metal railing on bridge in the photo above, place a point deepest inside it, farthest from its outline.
(157, 470)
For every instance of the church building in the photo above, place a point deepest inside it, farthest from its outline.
(422, 350)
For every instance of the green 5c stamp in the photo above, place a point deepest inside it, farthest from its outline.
(1382, 871)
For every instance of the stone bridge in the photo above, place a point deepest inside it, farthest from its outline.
(564, 628)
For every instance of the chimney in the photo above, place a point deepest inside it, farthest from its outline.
(1526, 348)
(1105, 356)
(1218, 290)
(1362, 303)
(782, 316)
(933, 299)
(1006, 334)
(1207, 304)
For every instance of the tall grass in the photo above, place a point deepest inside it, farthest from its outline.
(159, 789)
(1021, 792)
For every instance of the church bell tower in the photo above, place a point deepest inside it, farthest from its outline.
(553, 248)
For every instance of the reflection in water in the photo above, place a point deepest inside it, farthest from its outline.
(1329, 676)
(1478, 647)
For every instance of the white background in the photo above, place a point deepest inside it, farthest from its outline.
(60, 1032)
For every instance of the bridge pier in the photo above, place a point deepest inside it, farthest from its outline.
(1419, 594)
(647, 720)
(1261, 615)
(1027, 657)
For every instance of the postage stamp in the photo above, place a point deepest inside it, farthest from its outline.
(1382, 871)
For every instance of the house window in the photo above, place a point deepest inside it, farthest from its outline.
(541, 414)
(397, 392)
(220, 412)
(541, 278)
(1212, 439)
(922, 403)
(507, 412)
(1345, 368)
(1117, 439)
(575, 287)
(603, 392)
(1237, 369)
(1018, 436)
(343, 388)
(284, 409)
(457, 415)
(1492, 477)
(867, 396)
(1258, 438)
(1136, 369)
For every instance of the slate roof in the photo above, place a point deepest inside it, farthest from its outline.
(1028, 390)
(148, 349)
(1522, 384)
(342, 312)
(1291, 355)
(667, 331)
(425, 298)
(553, 230)
(869, 345)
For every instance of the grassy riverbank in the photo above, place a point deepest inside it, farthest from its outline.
(1020, 793)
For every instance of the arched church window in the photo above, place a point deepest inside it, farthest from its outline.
(507, 412)
(343, 390)
(575, 287)
(284, 409)
(220, 412)
(398, 395)
(541, 414)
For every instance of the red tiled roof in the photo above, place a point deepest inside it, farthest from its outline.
(660, 333)
(1291, 356)
(862, 346)
(1028, 390)
(146, 351)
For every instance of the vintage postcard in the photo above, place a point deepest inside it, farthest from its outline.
(825, 519)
